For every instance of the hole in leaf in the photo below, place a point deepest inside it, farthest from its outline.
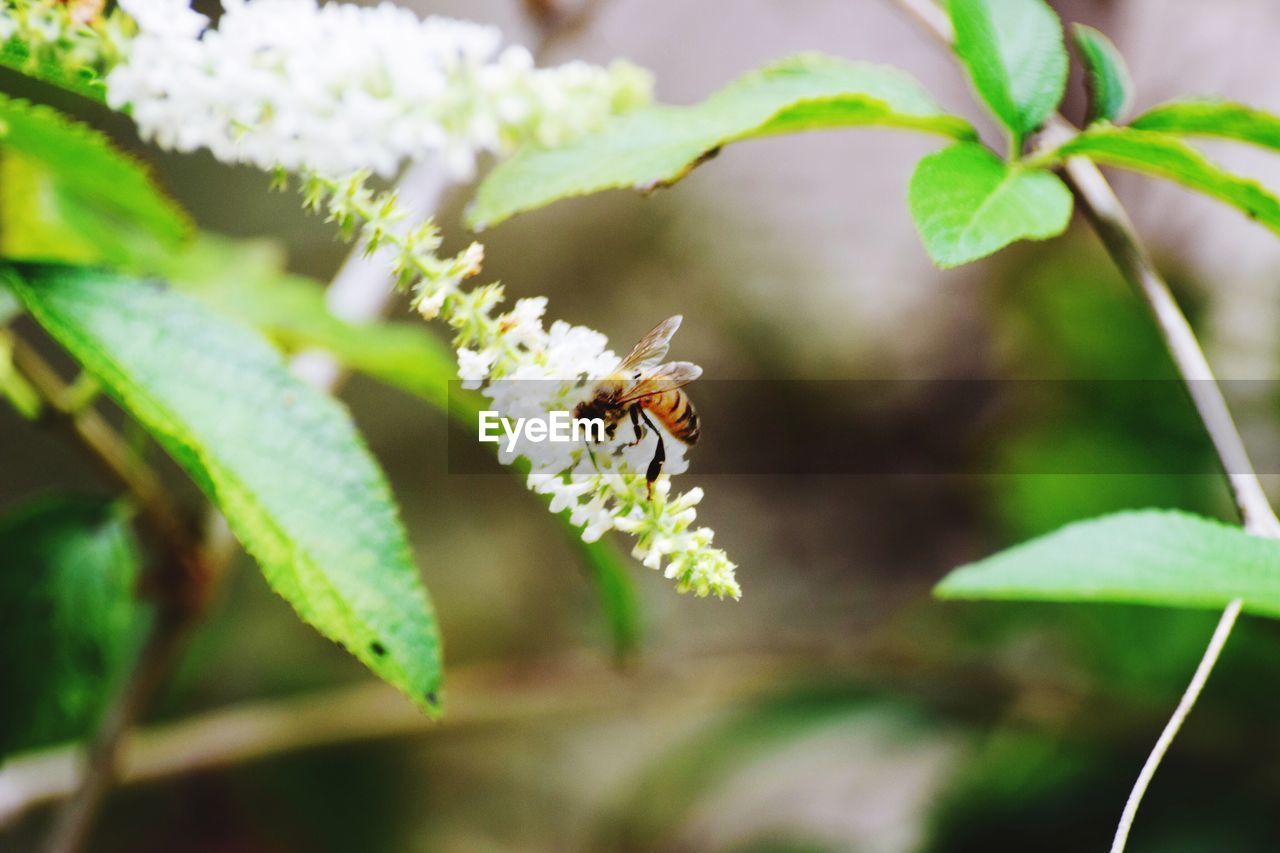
(377, 648)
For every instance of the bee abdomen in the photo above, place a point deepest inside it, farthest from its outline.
(675, 410)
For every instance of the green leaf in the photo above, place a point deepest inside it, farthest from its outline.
(1106, 76)
(9, 307)
(247, 280)
(1157, 557)
(84, 178)
(1166, 156)
(1015, 56)
(968, 203)
(14, 54)
(34, 216)
(281, 460)
(68, 617)
(615, 583)
(1214, 118)
(659, 145)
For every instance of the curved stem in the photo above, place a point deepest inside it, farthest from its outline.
(1216, 642)
(1100, 206)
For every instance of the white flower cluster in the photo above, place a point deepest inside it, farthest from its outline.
(338, 92)
(382, 226)
(338, 88)
(527, 371)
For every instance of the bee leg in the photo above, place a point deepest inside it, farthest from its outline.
(659, 455)
(635, 412)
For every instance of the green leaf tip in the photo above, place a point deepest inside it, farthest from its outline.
(1016, 58)
(1107, 80)
(659, 145)
(1164, 558)
(281, 460)
(967, 203)
(87, 82)
(85, 170)
(1163, 155)
(1215, 118)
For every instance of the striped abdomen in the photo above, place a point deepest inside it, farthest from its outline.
(675, 410)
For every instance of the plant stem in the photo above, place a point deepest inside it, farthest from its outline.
(109, 450)
(1100, 206)
(160, 651)
(1216, 642)
(180, 578)
(575, 683)
(479, 695)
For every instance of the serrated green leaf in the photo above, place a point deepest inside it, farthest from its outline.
(281, 460)
(1106, 78)
(1166, 156)
(247, 280)
(1016, 58)
(968, 203)
(659, 145)
(1156, 557)
(69, 619)
(83, 81)
(85, 174)
(1213, 118)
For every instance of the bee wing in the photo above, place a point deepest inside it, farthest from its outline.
(668, 377)
(652, 348)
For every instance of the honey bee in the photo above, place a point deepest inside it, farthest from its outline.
(642, 387)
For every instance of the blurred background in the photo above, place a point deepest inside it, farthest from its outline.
(837, 706)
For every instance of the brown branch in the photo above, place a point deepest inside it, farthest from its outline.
(179, 580)
(109, 451)
(160, 652)
(557, 20)
(576, 685)
(478, 696)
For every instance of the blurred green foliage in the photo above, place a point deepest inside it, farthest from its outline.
(69, 617)
(1067, 326)
(222, 402)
